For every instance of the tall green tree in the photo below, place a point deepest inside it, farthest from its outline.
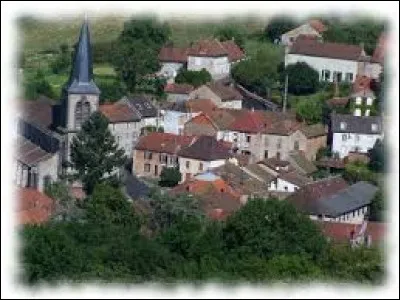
(170, 177)
(278, 26)
(377, 157)
(230, 32)
(136, 49)
(377, 208)
(62, 62)
(302, 79)
(95, 155)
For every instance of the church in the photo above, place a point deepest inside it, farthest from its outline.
(45, 129)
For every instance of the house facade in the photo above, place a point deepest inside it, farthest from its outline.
(334, 62)
(172, 59)
(354, 134)
(313, 28)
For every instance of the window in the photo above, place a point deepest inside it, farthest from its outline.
(286, 188)
(343, 125)
(296, 145)
(337, 76)
(163, 158)
(82, 112)
(367, 112)
(357, 112)
(374, 127)
(344, 137)
(187, 164)
(118, 139)
(278, 155)
(200, 166)
(358, 100)
(265, 154)
(349, 77)
(279, 143)
(357, 138)
(147, 168)
(248, 138)
(266, 141)
(326, 75)
(369, 101)
(148, 155)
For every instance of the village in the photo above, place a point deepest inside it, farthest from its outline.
(216, 139)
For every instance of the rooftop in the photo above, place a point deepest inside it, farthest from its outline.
(356, 124)
(163, 142)
(119, 112)
(178, 88)
(173, 54)
(225, 92)
(30, 154)
(207, 148)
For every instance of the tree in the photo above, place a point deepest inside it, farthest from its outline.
(302, 79)
(377, 157)
(278, 26)
(136, 50)
(195, 78)
(111, 90)
(95, 156)
(63, 61)
(309, 110)
(37, 86)
(230, 32)
(267, 228)
(170, 177)
(358, 171)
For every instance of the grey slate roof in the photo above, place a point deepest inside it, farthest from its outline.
(28, 153)
(356, 124)
(354, 197)
(143, 105)
(81, 79)
(301, 163)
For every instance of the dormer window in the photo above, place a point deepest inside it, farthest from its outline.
(343, 125)
(369, 101)
(374, 127)
(358, 100)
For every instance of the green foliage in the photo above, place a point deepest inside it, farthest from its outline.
(230, 32)
(170, 176)
(137, 51)
(272, 227)
(323, 152)
(95, 154)
(62, 63)
(36, 86)
(195, 78)
(302, 79)
(355, 31)
(102, 51)
(153, 85)
(377, 208)
(377, 157)
(111, 90)
(278, 26)
(358, 171)
(149, 128)
(259, 73)
(309, 110)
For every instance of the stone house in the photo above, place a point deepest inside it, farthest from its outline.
(313, 28)
(178, 92)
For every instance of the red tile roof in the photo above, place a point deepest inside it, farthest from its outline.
(234, 51)
(250, 122)
(207, 148)
(342, 232)
(283, 127)
(118, 112)
(337, 101)
(379, 53)
(208, 48)
(173, 54)
(203, 119)
(317, 25)
(203, 105)
(329, 50)
(178, 88)
(225, 92)
(164, 142)
(33, 207)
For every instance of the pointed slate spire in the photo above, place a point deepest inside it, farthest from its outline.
(81, 80)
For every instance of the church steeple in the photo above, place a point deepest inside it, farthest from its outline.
(81, 78)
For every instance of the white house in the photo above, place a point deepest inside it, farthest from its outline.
(172, 59)
(332, 61)
(175, 116)
(354, 134)
(313, 28)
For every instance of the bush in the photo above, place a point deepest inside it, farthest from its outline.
(358, 171)
(37, 86)
(170, 177)
(195, 78)
(302, 79)
(309, 110)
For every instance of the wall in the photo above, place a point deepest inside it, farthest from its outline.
(170, 69)
(356, 217)
(177, 97)
(72, 100)
(204, 92)
(194, 166)
(287, 144)
(234, 104)
(126, 134)
(48, 167)
(313, 145)
(302, 29)
(365, 142)
(280, 186)
(373, 70)
(174, 121)
(191, 128)
(321, 63)
(139, 162)
(219, 67)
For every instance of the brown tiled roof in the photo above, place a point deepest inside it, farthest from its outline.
(342, 232)
(201, 105)
(225, 92)
(329, 50)
(295, 178)
(206, 148)
(202, 119)
(361, 83)
(301, 163)
(178, 88)
(379, 53)
(260, 172)
(314, 130)
(317, 25)
(307, 197)
(250, 122)
(119, 112)
(39, 111)
(283, 127)
(29, 153)
(331, 163)
(208, 48)
(273, 162)
(173, 54)
(33, 207)
(163, 142)
(334, 102)
(234, 51)
(223, 118)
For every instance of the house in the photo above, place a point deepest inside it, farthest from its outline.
(176, 114)
(368, 233)
(216, 198)
(124, 124)
(375, 66)
(331, 199)
(172, 59)
(333, 61)
(178, 92)
(205, 153)
(143, 105)
(33, 206)
(224, 96)
(354, 134)
(312, 29)
(157, 150)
